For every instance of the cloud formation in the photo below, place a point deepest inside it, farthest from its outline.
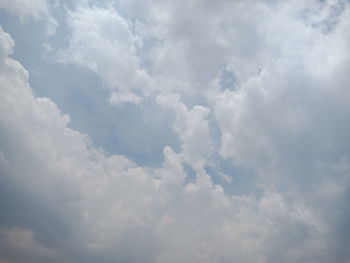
(255, 84)
(24, 8)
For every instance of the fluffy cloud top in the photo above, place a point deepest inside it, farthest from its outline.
(255, 84)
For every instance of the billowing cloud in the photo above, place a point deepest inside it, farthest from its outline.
(114, 58)
(258, 84)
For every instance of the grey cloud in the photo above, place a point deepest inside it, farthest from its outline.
(26, 8)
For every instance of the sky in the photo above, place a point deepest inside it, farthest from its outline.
(174, 131)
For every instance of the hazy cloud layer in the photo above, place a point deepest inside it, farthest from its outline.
(25, 8)
(256, 85)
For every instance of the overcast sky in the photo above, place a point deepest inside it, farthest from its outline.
(161, 131)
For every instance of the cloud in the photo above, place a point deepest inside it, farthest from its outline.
(113, 54)
(36, 9)
(24, 8)
(192, 127)
(20, 246)
(91, 206)
(284, 114)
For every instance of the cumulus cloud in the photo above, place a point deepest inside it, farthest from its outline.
(193, 129)
(92, 206)
(261, 84)
(102, 40)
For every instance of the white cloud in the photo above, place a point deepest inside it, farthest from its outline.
(192, 126)
(286, 117)
(103, 41)
(109, 206)
(268, 120)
